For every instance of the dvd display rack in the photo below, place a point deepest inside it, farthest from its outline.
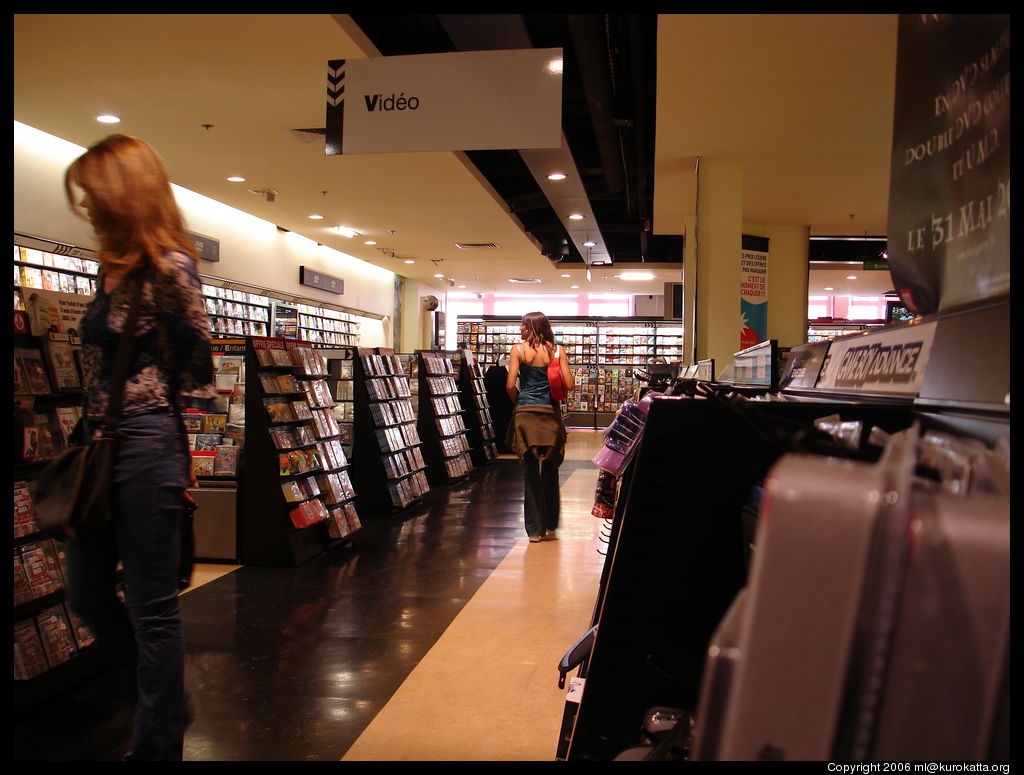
(476, 410)
(440, 422)
(602, 352)
(341, 383)
(297, 494)
(388, 466)
(52, 648)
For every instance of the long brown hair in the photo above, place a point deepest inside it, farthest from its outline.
(129, 201)
(538, 330)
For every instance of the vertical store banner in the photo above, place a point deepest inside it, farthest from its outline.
(949, 197)
(460, 101)
(753, 291)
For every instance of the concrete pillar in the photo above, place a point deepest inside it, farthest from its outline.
(787, 281)
(718, 245)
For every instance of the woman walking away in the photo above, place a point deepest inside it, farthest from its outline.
(536, 433)
(121, 186)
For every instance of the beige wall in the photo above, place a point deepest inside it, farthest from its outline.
(252, 250)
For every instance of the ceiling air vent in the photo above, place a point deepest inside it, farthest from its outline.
(476, 246)
(524, 280)
(309, 136)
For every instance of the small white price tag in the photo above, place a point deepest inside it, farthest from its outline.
(575, 693)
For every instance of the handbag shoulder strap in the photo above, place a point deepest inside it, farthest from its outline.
(124, 347)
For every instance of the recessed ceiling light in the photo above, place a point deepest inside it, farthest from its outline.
(829, 288)
(409, 261)
(575, 217)
(851, 277)
(236, 179)
(589, 244)
(370, 242)
(567, 275)
(557, 176)
(438, 275)
(574, 286)
(108, 118)
(462, 286)
(315, 217)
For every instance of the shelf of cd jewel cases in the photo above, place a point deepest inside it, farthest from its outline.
(440, 422)
(388, 464)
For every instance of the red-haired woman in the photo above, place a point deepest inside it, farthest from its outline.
(536, 433)
(120, 185)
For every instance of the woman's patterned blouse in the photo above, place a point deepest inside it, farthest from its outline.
(171, 354)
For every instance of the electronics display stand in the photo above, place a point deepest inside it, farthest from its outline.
(677, 564)
(445, 443)
(267, 534)
(388, 466)
(476, 411)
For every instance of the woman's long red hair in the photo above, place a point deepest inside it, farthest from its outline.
(129, 201)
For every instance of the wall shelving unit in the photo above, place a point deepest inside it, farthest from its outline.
(603, 353)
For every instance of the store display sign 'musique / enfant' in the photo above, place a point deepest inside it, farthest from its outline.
(459, 101)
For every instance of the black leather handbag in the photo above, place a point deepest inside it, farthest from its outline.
(73, 495)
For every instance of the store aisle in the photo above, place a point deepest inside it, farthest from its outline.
(287, 664)
(488, 689)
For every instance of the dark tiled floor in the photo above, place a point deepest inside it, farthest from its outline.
(291, 664)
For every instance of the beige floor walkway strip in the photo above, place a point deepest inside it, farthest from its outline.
(488, 689)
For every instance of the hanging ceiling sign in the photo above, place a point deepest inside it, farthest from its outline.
(316, 279)
(949, 197)
(460, 101)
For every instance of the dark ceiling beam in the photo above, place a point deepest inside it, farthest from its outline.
(588, 40)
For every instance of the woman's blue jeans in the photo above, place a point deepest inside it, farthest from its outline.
(542, 501)
(144, 637)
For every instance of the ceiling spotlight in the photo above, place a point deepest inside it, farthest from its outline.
(635, 275)
(370, 242)
(315, 217)
(236, 179)
(439, 275)
(574, 286)
(462, 286)
(108, 118)
(557, 176)
(575, 217)
(566, 275)
(829, 288)
(589, 244)
(851, 277)
(409, 261)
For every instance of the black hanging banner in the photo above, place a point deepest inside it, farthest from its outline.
(949, 196)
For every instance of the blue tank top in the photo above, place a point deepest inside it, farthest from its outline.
(533, 384)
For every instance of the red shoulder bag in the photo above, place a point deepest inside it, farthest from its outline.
(555, 381)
